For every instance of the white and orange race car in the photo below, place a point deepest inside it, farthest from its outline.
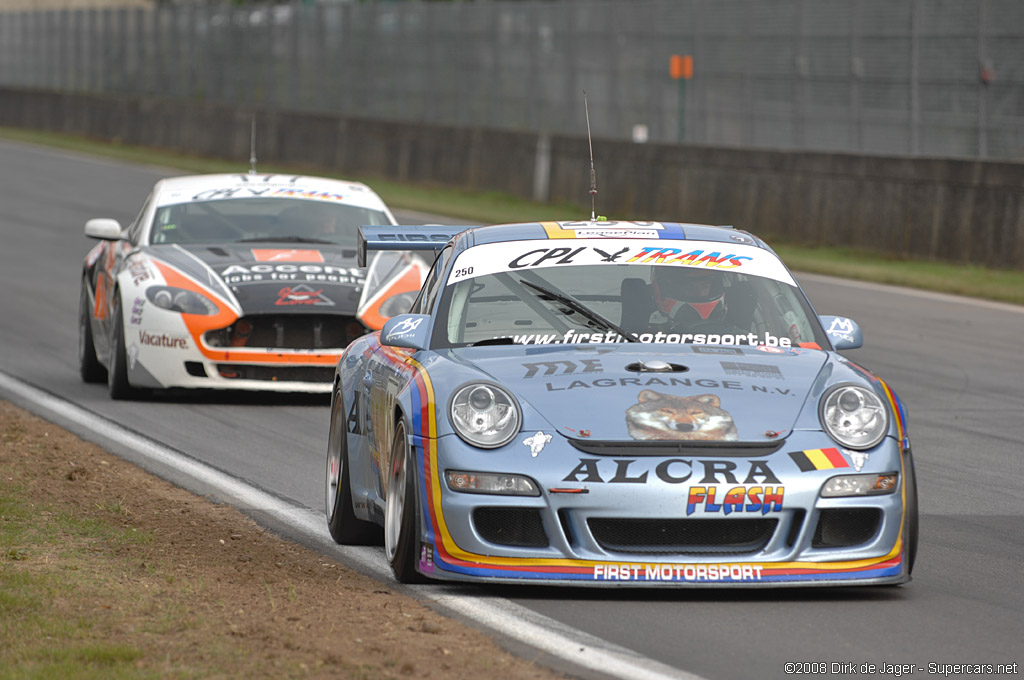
(245, 281)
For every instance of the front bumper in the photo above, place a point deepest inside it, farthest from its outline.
(186, 367)
(643, 520)
(172, 355)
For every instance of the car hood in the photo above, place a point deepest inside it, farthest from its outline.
(712, 393)
(279, 278)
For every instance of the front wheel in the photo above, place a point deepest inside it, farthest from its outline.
(117, 372)
(401, 517)
(910, 516)
(344, 526)
(91, 370)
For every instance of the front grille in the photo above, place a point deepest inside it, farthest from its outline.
(520, 527)
(682, 536)
(288, 331)
(308, 374)
(844, 527)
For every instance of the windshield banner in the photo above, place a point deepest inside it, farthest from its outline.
(512, 256)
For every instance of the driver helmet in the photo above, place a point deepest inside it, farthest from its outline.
(689, 293)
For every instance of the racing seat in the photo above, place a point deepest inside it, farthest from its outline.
(741, 302)
(637, 304)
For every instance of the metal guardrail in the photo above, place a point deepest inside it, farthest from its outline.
(939, 78)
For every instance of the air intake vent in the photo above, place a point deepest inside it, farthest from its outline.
(844, 527)
(519, 527)
(682, 536)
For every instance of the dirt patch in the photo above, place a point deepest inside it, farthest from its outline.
(205, 591)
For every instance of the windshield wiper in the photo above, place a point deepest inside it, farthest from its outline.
(493, 341)
(577, 306)
(286, 239)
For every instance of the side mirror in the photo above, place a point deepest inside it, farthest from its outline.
(103, 228)
(407, 330)
(844, 333)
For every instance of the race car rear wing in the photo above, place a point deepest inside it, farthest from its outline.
(402, 237)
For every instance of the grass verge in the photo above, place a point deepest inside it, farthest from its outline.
(494, 208)
(107, 572)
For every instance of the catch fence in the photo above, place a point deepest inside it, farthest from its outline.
(941, 78)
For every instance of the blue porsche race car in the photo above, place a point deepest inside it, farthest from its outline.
(617, 404)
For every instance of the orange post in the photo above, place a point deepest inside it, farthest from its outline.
(680, 67)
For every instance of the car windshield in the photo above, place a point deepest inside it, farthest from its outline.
(538, 293)
(262, 219)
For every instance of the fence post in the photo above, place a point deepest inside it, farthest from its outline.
(856, 138)
(542, 169)
(985, 76)
(914, 117)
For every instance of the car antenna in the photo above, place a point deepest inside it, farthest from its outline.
(593, 175)
(252, 147)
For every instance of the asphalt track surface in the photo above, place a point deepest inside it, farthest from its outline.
(956, 363)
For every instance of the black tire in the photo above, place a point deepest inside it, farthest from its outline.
(345, 527)
(91, 370)
(117, 372)
(910, 521)
(401, 520)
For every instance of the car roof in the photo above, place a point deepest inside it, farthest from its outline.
(184, 189)
(607, 229)
(434, 237)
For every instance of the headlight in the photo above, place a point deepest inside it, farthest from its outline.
(854, 416)
(859, 485)
(490, 482)
(180, 300)
(398, 304)
(484, 415)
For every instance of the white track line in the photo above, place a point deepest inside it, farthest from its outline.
(497, 614)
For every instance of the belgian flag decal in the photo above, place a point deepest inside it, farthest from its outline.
(819, 459)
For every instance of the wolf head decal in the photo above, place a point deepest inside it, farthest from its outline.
(666, 416)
